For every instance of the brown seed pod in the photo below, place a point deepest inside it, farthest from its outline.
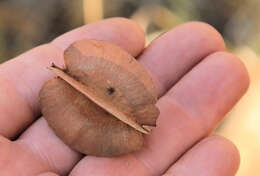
(101, 103)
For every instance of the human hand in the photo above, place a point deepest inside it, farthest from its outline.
(198, 83)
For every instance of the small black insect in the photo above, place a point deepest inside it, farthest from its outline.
(111, 90)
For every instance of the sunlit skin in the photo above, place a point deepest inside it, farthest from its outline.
(198, 82)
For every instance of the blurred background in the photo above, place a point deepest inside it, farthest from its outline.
(28, 23)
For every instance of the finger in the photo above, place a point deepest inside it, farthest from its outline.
(182, 123)
(123, 32)
(193, 108)
(22, 77)
(11, 154)
(30, 157)
(213, 156)
(173, 54)
(47, 174)
(126, 165)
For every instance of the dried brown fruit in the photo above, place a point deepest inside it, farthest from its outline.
(101, 103)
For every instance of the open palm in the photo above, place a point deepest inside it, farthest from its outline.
(198, 83)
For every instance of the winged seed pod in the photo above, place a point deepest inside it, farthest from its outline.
(101, 103)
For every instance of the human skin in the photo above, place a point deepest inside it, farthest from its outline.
(198, 83)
